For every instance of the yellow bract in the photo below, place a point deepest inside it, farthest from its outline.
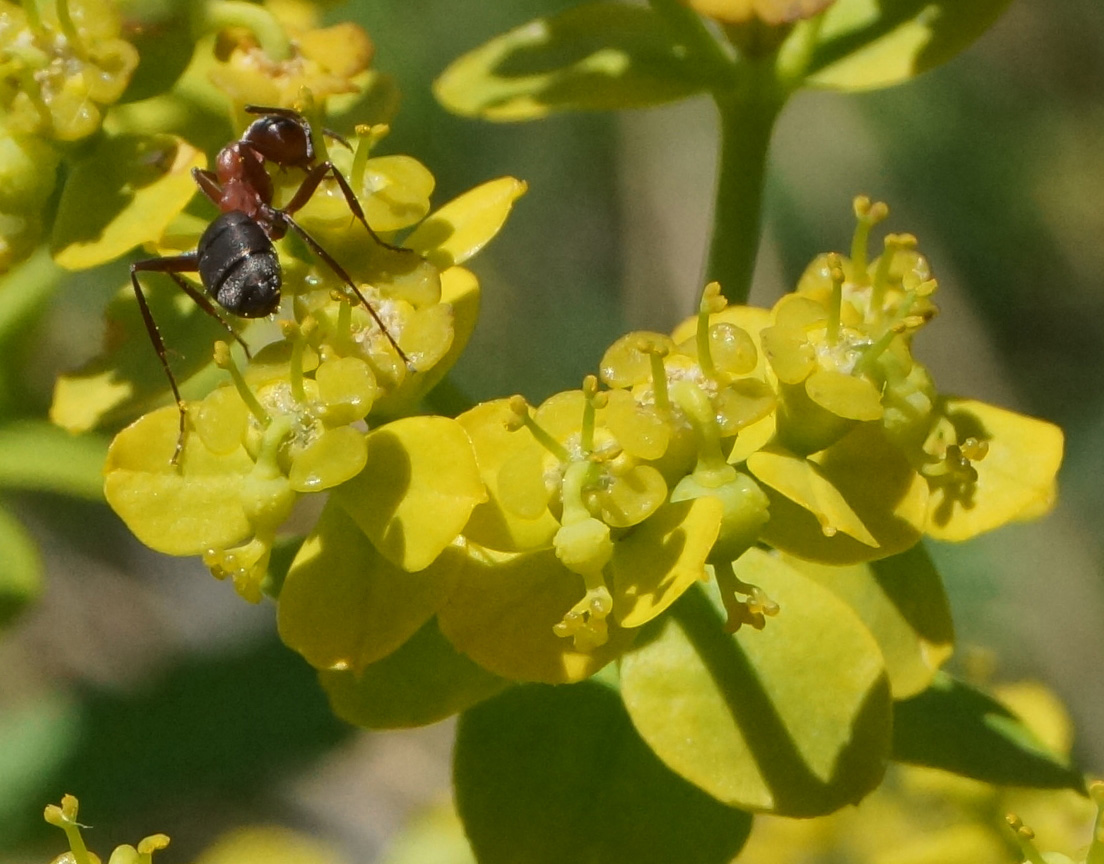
(1015, 478)
(183, 511)
(502, 611)
(417, 491)
(156, 176)
(455, 232)
(655, 565)
(345, 606)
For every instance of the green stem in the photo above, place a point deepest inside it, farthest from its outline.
(747, 120)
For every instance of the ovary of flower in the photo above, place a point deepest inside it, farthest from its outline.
(712, 469)
(583, 546)
(745, 511)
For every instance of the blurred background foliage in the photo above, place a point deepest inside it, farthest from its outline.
(143, 686)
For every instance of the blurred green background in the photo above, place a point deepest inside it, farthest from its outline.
(153, 693)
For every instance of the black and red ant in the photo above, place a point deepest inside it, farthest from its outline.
(235, 257)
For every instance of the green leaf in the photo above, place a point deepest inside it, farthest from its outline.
(124, 194)
(959, 729)
(424, 681)
(793, 719)
(547, 775)
(42, 457)
(20, 567)
(866, 44)
(902, 602)
(596, 57)
(343, 605)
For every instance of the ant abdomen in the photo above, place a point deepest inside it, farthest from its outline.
(239, 267)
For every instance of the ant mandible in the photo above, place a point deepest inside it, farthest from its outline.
(235, 257)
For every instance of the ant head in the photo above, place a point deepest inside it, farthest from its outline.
(281, 136)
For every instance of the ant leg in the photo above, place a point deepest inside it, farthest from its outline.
(311, 182)
(335, 136)
(344, 276)
(207, 306)
(187, 263)
(158, 265)
(208, 184)
(286, 113)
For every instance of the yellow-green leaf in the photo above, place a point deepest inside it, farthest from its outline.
(502, 611)
(557, 775)
(865, 44)
(424, 681)
(345, 606)
(794, 719)
(127, 376)
(269, 843)
(417, 490)
(597, 56)
(802, 482)
(902, 602)
(20, 567)
(124, 194)
(769, 11)
(455, 232)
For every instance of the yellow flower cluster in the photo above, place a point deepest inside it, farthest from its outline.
(61, 66)
(809, 428)
(292, 421)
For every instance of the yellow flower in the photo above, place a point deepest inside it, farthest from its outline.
(62, 65)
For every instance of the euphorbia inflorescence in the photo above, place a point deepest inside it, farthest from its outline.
(534, 542)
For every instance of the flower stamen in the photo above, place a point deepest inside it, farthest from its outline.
(225, 360)
(521, 417)
(712, 301)
(868, 215)
(754, 610)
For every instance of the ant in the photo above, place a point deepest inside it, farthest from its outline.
(235, 257)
